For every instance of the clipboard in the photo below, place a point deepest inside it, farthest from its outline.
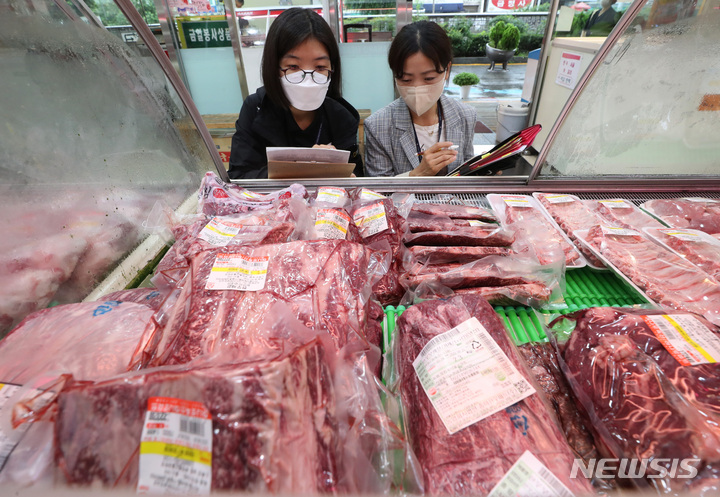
(298, 169)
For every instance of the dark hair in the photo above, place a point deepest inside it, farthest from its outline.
(421, 36)
(290, 29)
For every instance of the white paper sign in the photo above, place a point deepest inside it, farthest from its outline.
(687, 339)
(467, 376)
(517, 201)
(332, 224)
(568, 70)
(529, 477)
(371, 219)
(219, 233)
(615, 204)
(175, 448)
(331, 195)
(238, 272)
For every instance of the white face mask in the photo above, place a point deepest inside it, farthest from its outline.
(421, 98)
(307, 95)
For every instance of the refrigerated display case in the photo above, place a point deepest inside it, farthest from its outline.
(82, 171)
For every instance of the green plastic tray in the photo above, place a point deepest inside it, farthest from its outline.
(584, 287)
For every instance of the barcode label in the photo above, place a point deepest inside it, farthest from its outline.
(686, 338)
(191, 426)
(332, 224)
(371, 219)
(219, 233)
(609, 230)
(517, 201)
(682, 235)
(529, 477)
(559, 199)
(175, 447)
(615, 204)
(238, 272)
(331, 195)
(467, 376)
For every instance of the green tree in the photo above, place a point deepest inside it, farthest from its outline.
(110, 14)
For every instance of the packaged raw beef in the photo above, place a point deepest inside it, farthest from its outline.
(499, 279)
(470, 407)
(648, 382)
(489, 235)
(229, 291)
(571, 214)
(419, 222)
(449, 254)
(454, 211)
(664, 276)
(535, 232)
(382, 226)
(696, 246)
(690, 212)
(151, 297)
(92, 341)
(217, 198)
(207, 428)
(623, 213)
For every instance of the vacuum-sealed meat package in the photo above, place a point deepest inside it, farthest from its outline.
(690, 212)
(649, 386)
(470, 407)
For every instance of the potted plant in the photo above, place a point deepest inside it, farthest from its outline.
(465, 80)
(504, 40)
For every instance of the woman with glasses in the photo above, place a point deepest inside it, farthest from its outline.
(423, 133)
(300, 104)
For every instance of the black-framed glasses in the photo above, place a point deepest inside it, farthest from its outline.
(297, 76)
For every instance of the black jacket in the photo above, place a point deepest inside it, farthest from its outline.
(263, 124)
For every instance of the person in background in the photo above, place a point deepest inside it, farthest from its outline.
(300, 104)
(243, 23)
(414, 134)
(602, 21)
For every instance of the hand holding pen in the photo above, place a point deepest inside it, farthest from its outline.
(435, 158)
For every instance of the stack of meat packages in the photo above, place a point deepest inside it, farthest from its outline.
(617, 231)
(251, 366)
(463, 249)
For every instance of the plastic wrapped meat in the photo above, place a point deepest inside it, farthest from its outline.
(228, 292)
(454, 211)
(419, 222)
(696, 246)
(382, 228)
(695, 213)
(91, 340)
(475, 236)
(221, 199)
(445, 254)
(648, 401)
(623, 213)
(257, 414)
(664, 276)
(534, 232)
(473, 460)
(150, 297)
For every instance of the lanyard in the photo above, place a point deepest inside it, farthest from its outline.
(317, 138)
(440, 124)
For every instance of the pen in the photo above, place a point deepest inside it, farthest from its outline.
(451, 147)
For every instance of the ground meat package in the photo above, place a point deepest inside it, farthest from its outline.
(690, 212)
(382, 225)
(228, 293)
(650, 389)
(217, 198)
(92, 341)
(665, 277)
(470, 407)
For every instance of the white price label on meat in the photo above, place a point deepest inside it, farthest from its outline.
(332, 224)
(8, 441)
(371, 219)
(467, 376)
(218, 232)
(366, 194)
(529, 477)
(176, 447)
(686, 338)
(615, 204)
(682, 235)
(609, 230)
(331, 195)
(238, 272)
(701, 200)
(517, 201)
(559, 199)
(479, 224)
